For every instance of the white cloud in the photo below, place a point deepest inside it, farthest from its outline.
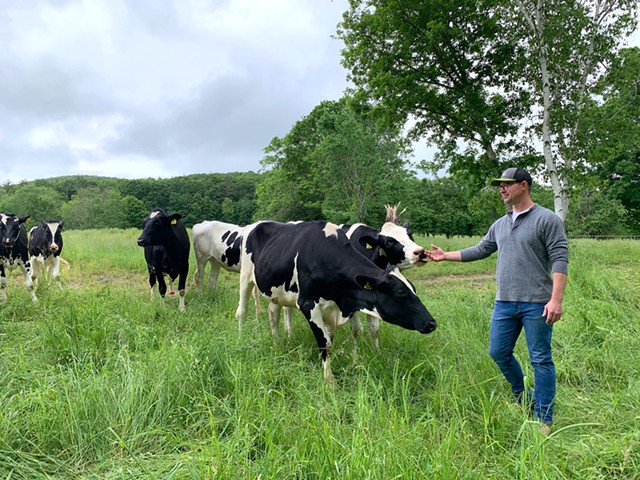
(171, 86)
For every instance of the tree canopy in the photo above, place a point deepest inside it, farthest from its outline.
(489, 82)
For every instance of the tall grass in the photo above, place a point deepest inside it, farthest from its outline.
(97, 381)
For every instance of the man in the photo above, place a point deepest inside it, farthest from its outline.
(531, 275)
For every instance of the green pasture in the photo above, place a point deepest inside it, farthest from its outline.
(98, 382)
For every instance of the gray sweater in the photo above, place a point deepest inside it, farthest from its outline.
(529, 250)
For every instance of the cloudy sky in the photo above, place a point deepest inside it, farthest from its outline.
(158, 88)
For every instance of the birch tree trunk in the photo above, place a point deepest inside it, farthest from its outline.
(537, 25)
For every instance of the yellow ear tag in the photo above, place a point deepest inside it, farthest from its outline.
(368, 246)
(28, 220)
(367, 286)
(174, 221)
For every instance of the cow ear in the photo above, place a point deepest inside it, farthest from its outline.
(407, 227)
(60, 224)
(365, 282)
(174, 218)
(26, 219)
(369, 242)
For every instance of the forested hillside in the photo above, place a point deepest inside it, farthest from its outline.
(98, 202)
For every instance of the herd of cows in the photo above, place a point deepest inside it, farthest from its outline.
(38, 250)
(328, 272)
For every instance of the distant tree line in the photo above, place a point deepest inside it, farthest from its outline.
(444, 206)
(87, 202)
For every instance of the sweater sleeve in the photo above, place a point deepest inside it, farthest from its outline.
(486, 247)
(557, 246)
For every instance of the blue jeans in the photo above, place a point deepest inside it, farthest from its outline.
(506, 324)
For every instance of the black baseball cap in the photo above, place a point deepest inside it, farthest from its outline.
(512, 174)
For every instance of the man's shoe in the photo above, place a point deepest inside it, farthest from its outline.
(545, 429)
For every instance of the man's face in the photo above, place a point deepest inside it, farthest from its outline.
(512, 192)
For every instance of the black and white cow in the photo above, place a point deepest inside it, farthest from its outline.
(392, 245)
(217, 244)
(166, 250)
(314, 267)
(14, 251)
(45, 247)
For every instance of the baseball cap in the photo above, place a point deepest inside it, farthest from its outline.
(512, 174)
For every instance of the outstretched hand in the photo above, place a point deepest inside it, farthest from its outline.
(437, 254)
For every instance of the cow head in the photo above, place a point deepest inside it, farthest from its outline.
(395, 301)
(12, 227)
(52, 234)
(156, 228)
(412, 253)
(384, 250)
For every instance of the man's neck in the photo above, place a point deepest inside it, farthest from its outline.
(523, 205)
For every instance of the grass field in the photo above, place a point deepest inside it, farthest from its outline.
(97, 382)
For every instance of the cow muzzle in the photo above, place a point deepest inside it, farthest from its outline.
(420, 256)
(53, 247)
(429, 327)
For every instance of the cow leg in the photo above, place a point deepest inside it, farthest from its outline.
(274, 318)
(246, 284)
(152, 281)
(55, 268)
(213, 274)
(28, 281)
(182, 283)
(201, 263)
(162, 285)
(256, 299)
(3, 284)
(374, 326)
(356, 329)
(288, 321)
(36, 269)
(324, 340)
(181, 304)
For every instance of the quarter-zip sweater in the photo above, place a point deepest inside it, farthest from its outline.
(529, 251)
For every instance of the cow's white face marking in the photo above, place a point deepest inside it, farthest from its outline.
(373, 313)
(353, 229)
(331, 229)
(409, 246)
(53, 226)
(154, 214)
(396, 273)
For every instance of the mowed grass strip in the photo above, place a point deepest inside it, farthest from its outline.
(97, 381)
